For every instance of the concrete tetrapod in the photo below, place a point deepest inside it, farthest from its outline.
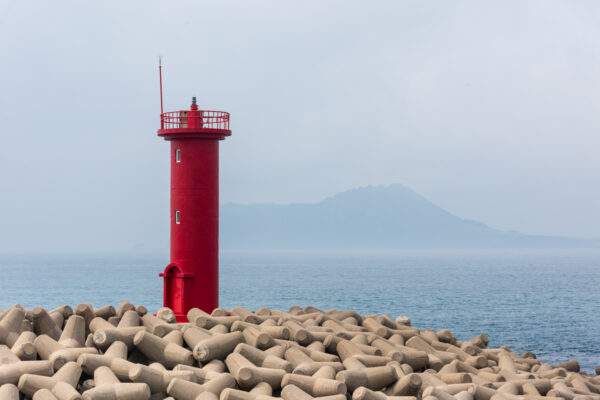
(43, 324)
(375, 378)
(248, 375)
(115, 358)
(217, 347)
(10, 325)
(158, 380)
(68, 377)
(157, 349)
(316, 387)
(73, 334)
(56, 353)
(108, 387)
(261, 358)
(24, 348)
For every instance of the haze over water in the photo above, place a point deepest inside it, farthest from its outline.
(540, 300)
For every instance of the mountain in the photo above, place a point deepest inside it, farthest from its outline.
(372, 217)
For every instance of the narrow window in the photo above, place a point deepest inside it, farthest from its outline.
(178, 155)
(177, 217)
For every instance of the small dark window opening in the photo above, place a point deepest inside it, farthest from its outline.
(177, 217)
(178, 155)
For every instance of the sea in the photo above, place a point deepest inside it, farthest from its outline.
(545, 301)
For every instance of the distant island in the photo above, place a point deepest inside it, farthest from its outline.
(371, 217)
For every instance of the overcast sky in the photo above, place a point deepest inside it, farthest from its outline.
(488, 109)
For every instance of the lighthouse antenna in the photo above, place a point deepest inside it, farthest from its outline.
(160, 81)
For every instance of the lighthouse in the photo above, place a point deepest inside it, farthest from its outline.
(192, 277)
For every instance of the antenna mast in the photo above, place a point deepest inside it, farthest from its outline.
(160, 80)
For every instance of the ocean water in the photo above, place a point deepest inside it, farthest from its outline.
(539, 300)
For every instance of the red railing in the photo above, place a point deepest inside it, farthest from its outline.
(195, 119)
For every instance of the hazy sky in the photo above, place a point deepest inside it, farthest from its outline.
(488, 109)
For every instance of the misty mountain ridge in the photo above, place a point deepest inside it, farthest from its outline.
(371, 217)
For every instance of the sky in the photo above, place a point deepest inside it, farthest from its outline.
(488, 109)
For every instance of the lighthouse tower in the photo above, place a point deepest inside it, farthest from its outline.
(192, 277)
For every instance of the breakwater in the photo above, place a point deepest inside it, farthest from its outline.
(237, 354)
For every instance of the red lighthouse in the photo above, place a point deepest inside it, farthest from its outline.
(192, 277)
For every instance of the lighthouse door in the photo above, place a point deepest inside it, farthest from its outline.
(174, 289)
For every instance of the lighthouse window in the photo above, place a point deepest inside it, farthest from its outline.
(178, 155)
(177, 217)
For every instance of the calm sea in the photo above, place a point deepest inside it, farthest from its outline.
(544, 301)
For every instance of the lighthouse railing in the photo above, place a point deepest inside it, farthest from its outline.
(195, 119)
